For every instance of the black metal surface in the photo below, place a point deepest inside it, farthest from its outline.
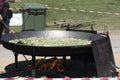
(88, 31)
(103, 55)
(48, 51)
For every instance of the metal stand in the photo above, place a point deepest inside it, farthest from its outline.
(16, 60)
(33, 67)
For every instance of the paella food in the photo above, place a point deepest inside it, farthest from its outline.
(34, 41)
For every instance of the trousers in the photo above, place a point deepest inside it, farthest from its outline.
(1, 29)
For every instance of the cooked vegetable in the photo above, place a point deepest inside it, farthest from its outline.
(34, 41)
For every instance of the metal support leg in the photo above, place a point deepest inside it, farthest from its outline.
(16, 60)
(33, 67)
(64, 58)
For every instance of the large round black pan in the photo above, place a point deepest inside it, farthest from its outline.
(50, 50)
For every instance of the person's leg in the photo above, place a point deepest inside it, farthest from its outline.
(7, 21)
(1, 31)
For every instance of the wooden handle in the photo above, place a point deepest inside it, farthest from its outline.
(5, 26)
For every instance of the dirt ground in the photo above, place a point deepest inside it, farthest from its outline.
(7, 57)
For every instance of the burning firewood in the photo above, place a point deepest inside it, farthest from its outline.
(59, 67)
(53, 64)
(50, 64)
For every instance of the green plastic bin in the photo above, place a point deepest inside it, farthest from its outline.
(33, 16)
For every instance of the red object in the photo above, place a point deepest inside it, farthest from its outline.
(104, 79)
(29, 79)
(9, 79)
(67, 78)
(86, 79)
(48, 79)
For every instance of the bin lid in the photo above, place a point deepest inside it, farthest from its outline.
(33, 6)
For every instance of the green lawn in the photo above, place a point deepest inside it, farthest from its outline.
(101, 20)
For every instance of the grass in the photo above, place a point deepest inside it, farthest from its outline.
(101, 20)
